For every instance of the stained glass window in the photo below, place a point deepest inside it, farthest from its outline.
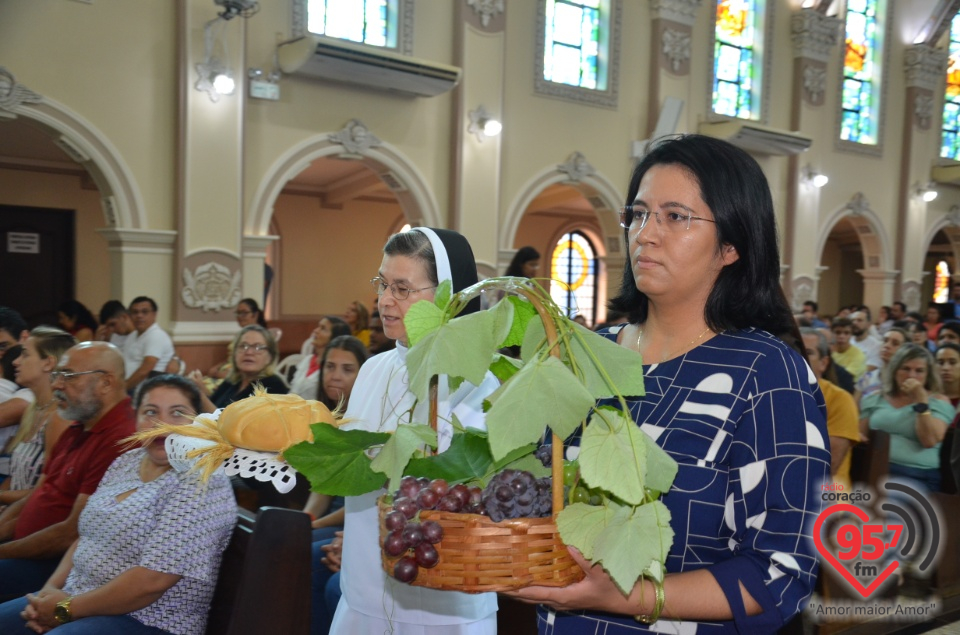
(735, 64)
(371, 22)
(573, 270)
(941, 283)
(571, 52)
(950, 142)
(860, 61)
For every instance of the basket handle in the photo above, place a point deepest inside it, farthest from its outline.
(556, 456)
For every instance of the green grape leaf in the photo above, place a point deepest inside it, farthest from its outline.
(503, 367)
(580, 524)
(646, 532)
(660, 468)
(336, 462)
(523, 312)
(441, 298)
(455, 422)
(534, 338)
(613, 454)
(454, 383)
(632, 540)
(461, 347)
(467, 458)
(527, 462)
(541, 393)
(422, 318)
(622, 366)
(399, 449)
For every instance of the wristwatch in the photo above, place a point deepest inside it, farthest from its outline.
(921, 408)
(61, 612)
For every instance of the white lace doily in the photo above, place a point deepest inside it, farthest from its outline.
(263, 466)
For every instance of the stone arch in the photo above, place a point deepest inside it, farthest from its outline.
(120, 196)
(873, 238)
(397, 171)
(603, 197)
(949, 224)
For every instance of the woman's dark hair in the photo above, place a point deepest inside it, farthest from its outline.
(363, 315)
(169, 380)
(338, 327)
(344, 343)
(747, 292)
(253, 307)
(949, 325)
(950, 345)
(80, 314)
(415, 245)
(7, 370)
(523, 256)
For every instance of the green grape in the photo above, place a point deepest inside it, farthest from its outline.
(596, 496)
(571, 473)
(581, 495)
(652, 494)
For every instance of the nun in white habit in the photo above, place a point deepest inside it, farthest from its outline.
(414, 263)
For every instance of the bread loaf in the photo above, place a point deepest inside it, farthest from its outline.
(271, 423)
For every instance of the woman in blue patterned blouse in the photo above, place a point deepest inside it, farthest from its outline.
(150, 544)
(726, 396)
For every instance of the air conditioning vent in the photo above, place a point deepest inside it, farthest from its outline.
(338, 60)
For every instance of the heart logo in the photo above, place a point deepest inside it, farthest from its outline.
(830, 557)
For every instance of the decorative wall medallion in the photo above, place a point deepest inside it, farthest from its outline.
(814, 83)
(486, 9)
(679, 11)
(802, 292)
(210, 287)
(911, 295)
(576, 168)
(814, 35)
(676, 48)
(355, 138)
(13, 94)
(923, 109)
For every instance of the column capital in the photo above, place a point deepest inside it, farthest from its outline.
(924, 66)
(146, 241)
(679, 11)
(814, 35)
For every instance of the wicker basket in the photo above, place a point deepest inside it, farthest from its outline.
(479, 555)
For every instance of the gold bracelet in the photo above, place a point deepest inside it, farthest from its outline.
(661, 598)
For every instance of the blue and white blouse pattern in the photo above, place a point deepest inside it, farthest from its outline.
(173, 524)
(744, 418)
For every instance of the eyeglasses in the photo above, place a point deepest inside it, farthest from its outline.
(259, 348)
(57, 375)
(399, 292)
(635, 217)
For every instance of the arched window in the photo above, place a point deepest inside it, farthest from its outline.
(950, 141)
(737, 49)
(573, 270)
(861, 72)
(372, 22)
(577, 50)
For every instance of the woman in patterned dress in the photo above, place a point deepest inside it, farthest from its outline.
(150, 544)
(726, 396)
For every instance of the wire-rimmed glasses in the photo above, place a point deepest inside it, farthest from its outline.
(636, 217)
(399, 291)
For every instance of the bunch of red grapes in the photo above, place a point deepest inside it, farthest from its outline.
(415, 540)
(509, 494)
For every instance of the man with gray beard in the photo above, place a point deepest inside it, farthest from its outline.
(37, 530)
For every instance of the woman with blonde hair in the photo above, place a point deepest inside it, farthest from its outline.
(41, 425)
(255, 355)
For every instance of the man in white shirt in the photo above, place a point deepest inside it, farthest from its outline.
(864, 340)
(148, 348)
(115, 323)
(13, 331)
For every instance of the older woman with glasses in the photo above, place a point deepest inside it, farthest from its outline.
(255, 355)
(729, 396)
(247, 312)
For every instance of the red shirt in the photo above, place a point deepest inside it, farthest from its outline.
(77, 463)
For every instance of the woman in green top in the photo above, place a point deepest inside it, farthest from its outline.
(913, 411)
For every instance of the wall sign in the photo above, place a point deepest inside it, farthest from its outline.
(23, 243)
